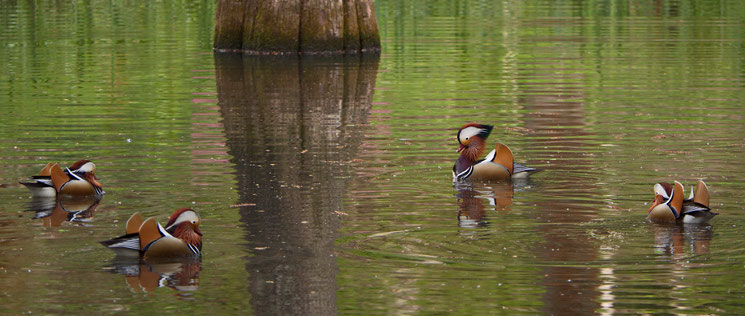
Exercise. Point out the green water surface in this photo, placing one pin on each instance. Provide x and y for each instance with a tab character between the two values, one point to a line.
324	183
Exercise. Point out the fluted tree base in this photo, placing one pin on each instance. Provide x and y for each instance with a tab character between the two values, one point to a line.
273	27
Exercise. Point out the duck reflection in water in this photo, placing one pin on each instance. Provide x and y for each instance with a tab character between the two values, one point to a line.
475	199
677	240
141	276
55	211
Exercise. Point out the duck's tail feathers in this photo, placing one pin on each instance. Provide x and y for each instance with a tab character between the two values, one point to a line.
128	241
38	182
523	169
693	207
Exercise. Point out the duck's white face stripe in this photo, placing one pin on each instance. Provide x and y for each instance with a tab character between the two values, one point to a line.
187	216
87	167
658	189
469	132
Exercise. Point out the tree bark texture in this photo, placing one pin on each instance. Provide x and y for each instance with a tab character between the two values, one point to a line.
274	27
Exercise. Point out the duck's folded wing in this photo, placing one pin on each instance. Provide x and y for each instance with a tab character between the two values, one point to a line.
38	184
131	241
693	207
125	245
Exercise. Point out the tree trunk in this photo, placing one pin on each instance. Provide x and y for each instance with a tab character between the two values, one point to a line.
275	27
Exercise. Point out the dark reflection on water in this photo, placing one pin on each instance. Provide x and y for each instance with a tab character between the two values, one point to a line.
476	200
608	97
181	275
292	128
678	241
556	121
53	212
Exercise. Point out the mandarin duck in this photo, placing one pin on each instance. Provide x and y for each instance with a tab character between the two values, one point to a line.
671	206
77	180
149	240
498	164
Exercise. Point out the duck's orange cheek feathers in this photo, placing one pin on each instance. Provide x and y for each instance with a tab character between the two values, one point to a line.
96	183
660	212
654	204
658	199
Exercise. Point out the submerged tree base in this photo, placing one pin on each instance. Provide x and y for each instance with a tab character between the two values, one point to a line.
305	27
306	53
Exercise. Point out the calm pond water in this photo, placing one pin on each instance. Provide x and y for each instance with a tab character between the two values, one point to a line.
324	183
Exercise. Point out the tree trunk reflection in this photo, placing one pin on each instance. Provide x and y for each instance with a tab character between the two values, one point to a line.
291	126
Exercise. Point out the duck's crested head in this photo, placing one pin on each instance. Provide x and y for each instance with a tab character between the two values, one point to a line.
184	224
87	170
468	132
83	166
472	139
662	194
183	215
668	202
663	188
